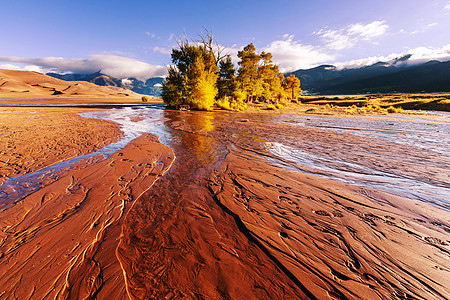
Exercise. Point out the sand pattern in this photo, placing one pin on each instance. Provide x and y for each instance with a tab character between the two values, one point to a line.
32	139
217	214
60	241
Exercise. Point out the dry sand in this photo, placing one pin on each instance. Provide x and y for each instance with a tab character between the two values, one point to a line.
238	227
33	84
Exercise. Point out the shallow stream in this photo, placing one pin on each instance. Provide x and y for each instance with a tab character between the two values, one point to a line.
186	134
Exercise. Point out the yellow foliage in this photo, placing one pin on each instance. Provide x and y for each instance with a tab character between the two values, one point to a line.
203	88
223	103
393	110
238	105
233	105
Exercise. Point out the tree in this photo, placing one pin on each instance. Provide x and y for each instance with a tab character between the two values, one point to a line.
226	83
196	79
173	88
192	80
201	85
248	72
258	76
292	86
268	75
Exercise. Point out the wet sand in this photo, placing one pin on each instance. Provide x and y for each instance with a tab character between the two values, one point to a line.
34	138
215	214
60	242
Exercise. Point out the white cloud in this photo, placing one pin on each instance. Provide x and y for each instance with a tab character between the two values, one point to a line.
423	54
369	31
126	81
359	63
152	35
162	50
113	65
336	40
22	67
353	34
290	55
411	57
10	67
447	6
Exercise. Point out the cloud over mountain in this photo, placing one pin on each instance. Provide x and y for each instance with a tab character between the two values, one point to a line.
291	55
113	65
353	34
411	57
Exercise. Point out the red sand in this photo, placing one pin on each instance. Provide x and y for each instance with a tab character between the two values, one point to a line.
245	229
60	241
33	84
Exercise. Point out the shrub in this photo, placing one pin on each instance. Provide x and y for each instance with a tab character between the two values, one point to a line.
238	105
377	107
393	110
271	107
350	110
145	98
279	106
223	103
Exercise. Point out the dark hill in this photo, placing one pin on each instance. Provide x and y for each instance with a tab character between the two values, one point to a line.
433	76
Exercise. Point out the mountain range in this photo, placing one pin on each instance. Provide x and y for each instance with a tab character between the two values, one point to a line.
149	87
382	77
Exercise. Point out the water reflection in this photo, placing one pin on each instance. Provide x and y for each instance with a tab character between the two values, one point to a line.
190	140
192	136
419	131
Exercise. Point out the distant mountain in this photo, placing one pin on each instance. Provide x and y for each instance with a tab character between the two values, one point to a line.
381	77
149	87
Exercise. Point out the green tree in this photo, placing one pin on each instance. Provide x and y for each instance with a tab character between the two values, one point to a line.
292	86
258	76
173	88
226	83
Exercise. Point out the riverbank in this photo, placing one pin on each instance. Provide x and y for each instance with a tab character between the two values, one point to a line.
60	241
35	138
221	210
422	101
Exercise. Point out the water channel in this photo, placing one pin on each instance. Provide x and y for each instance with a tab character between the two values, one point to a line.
197	150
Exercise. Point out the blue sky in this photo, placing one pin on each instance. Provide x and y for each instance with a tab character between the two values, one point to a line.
134	38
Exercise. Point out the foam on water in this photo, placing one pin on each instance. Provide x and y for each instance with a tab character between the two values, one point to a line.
328	167
16	188
430	134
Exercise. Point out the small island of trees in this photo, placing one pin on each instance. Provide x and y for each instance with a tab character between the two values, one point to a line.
201	77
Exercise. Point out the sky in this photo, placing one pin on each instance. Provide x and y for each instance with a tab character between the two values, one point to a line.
134	38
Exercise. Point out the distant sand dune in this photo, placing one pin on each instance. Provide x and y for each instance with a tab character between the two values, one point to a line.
33	84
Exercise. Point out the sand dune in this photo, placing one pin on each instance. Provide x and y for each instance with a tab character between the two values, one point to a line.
33	84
